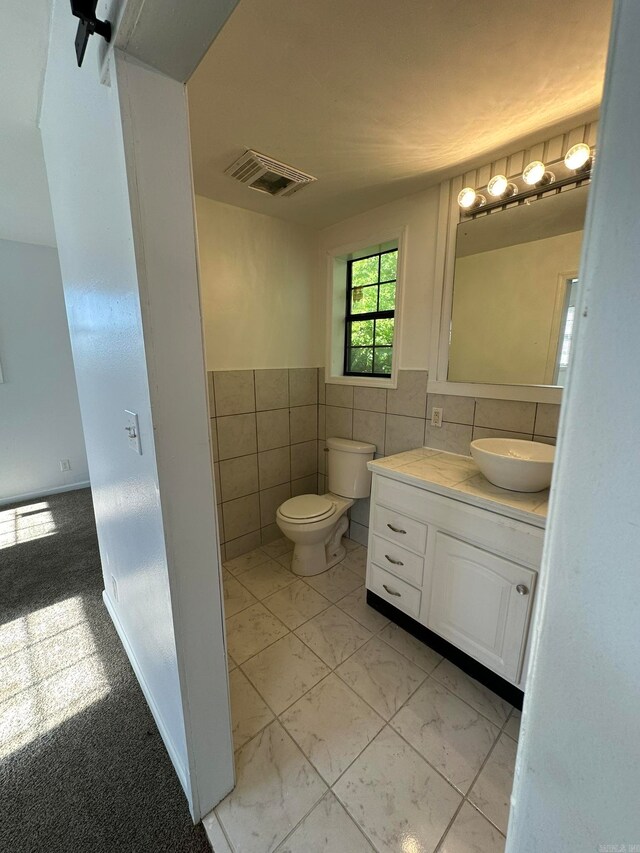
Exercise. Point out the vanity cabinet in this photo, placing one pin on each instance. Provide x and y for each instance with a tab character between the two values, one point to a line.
481	603
466	573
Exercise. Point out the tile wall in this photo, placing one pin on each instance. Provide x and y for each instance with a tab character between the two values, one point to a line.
264	429
400	420
268	431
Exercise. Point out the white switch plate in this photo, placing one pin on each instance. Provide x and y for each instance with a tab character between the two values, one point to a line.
132	431
65	465
436	417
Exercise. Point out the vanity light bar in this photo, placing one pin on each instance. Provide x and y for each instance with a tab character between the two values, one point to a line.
576	165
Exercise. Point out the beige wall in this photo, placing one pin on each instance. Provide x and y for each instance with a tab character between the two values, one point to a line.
419	214
257	280
503	311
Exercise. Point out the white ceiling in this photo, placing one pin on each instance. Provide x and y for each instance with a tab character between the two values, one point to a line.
25	210
379	98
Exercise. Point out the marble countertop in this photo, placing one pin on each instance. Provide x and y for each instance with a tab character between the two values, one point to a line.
459	477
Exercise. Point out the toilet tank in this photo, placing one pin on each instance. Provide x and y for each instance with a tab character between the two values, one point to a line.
347	467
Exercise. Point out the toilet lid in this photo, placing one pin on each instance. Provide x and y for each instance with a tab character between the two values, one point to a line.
307	508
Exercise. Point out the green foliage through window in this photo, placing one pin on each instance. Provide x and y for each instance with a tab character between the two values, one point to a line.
371	300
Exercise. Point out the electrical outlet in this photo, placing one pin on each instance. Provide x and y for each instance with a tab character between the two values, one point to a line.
436	417
65	465
114	588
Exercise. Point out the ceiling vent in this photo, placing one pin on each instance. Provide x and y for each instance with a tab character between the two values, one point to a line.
268	175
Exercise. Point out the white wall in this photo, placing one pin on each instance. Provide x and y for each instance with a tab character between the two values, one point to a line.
118	166
419	213
25	210
39	412
576	786
257	279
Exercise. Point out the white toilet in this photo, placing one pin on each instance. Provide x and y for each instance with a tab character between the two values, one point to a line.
316	523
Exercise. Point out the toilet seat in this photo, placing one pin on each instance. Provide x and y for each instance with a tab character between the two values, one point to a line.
307	508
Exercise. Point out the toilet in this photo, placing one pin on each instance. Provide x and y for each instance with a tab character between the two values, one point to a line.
316	523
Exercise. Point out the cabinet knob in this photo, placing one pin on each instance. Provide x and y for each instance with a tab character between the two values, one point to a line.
395	562
521	589
391	591
395	529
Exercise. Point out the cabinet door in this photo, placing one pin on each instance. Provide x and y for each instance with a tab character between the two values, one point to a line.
481	603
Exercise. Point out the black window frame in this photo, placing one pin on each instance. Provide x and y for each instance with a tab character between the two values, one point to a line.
370	315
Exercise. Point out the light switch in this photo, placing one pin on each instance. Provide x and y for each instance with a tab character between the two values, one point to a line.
132	431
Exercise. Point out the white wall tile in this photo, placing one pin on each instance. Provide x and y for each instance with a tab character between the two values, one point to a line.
511	415
369	426
303	386
274	467
370	399
339	395
270	500
457	410
234	392
236	435
273	429
403	433
547	417
454	438
339	422
272	389
303	423
239	476
304	459
410	397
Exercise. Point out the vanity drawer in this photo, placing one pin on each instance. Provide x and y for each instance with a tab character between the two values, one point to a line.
398	528
408	500
399	561
395	591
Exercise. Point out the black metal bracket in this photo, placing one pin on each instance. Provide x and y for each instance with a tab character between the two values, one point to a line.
89	24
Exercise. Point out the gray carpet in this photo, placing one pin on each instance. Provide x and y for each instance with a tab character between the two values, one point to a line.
82	766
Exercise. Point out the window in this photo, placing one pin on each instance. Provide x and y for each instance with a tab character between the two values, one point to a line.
370	315
566	336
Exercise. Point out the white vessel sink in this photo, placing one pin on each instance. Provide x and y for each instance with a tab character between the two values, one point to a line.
511	463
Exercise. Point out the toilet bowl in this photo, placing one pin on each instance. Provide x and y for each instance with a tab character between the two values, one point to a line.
316	523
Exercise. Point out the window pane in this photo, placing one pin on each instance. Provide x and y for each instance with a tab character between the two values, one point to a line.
362	333
361	360
364	300
384	332
382	360
388	266
388	296
364	271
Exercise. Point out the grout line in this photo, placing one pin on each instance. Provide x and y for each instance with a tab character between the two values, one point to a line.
427	675
377	633
306	815
468	704
232	846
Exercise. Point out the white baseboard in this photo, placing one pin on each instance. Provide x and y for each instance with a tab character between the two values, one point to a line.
164	734
43	493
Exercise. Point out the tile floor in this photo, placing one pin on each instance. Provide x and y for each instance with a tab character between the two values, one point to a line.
350	735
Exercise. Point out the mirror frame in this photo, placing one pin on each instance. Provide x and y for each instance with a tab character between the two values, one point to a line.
448	221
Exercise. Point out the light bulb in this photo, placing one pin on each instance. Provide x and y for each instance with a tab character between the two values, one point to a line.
467	198
534	173
500	187
497	185
577	157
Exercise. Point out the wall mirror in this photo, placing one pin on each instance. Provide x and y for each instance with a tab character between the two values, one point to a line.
515	284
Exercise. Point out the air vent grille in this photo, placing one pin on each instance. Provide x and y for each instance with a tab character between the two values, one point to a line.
266	175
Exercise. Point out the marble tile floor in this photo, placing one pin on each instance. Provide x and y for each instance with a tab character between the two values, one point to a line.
350	735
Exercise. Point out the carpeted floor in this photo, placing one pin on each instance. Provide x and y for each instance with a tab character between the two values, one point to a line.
82	766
